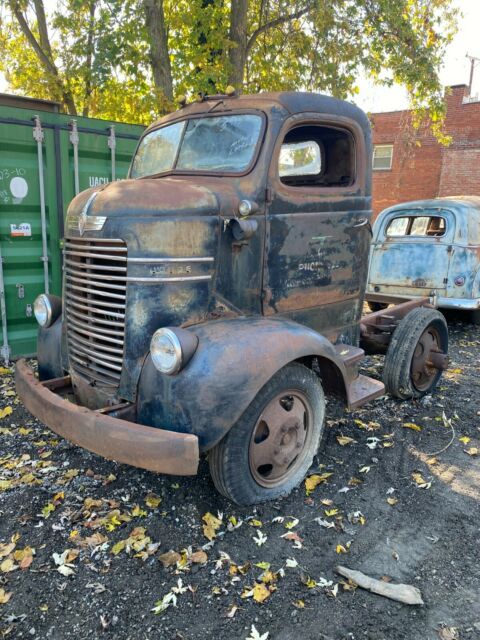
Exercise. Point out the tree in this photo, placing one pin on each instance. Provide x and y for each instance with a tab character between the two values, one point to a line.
110	57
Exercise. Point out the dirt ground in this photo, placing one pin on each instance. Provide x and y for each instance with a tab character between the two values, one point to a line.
81	537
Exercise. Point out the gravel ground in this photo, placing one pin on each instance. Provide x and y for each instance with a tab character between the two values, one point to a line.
84	541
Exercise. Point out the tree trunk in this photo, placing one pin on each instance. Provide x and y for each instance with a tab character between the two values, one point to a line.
43	50
238	35
159	54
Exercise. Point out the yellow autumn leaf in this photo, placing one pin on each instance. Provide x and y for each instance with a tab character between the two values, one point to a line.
7	566
392	501
260	592
118	547
472	451
299	604
464	439
331	512
48	509
138	512
23	431
152	500
255	523
310	583
419	479
412	426
212	524
344	440
314	480
5	412
268	577
4	372
5	596
340	549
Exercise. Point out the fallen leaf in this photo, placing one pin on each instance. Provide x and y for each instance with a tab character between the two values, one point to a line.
392	501
169	600
255	523
260	592
340	549
464	439
299	604
331	512
169	558
8	565
212	524
314	480
198	557
412	426
260	538
5	412
152	500
255	635
344	440
5	596
263	565
472	451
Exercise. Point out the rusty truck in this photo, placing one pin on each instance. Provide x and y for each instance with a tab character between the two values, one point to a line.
211	299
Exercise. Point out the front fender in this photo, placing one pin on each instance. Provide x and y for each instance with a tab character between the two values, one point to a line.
234	360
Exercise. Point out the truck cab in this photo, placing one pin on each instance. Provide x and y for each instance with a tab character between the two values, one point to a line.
212	297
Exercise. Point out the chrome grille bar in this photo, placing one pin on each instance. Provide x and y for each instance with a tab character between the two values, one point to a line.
95	303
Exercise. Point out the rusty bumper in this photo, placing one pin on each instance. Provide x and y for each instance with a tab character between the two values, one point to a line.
135	444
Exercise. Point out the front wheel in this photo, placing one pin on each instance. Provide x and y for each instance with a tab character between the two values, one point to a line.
270	449
417	354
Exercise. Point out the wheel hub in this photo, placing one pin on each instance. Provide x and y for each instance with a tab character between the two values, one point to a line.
427	359
279	437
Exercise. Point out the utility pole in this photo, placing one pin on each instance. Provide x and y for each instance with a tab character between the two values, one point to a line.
473	63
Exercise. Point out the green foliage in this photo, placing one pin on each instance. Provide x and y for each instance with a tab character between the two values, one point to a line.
101	48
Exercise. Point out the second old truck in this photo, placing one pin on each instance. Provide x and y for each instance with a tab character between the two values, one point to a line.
214	296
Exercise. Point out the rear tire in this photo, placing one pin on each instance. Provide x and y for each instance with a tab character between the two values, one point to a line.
269	450
408	370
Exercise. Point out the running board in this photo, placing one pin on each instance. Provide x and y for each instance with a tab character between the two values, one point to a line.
362	389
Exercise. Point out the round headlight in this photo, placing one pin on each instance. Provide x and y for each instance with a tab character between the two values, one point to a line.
166	351
42	309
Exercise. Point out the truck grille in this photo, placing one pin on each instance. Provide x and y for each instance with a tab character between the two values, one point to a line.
95	295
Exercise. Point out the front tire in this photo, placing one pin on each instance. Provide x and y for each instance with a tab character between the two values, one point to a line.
269	450
416	354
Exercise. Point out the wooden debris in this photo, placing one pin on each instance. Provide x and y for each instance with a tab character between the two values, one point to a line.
401	592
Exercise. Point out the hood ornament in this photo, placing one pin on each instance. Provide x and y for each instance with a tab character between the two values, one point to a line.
83	218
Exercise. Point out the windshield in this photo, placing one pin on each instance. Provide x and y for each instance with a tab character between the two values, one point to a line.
213	144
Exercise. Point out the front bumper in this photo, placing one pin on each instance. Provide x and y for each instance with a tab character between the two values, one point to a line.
113	438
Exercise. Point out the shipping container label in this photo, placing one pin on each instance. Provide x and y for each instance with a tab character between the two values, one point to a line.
22	230
13	186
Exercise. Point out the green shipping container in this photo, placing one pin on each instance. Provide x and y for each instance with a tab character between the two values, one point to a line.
75	153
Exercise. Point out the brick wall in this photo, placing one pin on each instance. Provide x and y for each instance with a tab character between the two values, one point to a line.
421	167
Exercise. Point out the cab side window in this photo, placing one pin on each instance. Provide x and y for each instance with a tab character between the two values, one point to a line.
417	226
317	156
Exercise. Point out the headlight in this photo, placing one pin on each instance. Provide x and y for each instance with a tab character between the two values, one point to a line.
171	349
47	309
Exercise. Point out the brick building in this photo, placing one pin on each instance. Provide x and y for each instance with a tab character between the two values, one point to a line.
405	170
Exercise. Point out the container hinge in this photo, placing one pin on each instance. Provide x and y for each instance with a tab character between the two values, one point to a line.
38	134
112	143
5	353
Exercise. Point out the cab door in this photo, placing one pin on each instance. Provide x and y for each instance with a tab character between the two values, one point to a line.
317	224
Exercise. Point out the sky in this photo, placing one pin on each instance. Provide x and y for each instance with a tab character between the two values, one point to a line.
456	68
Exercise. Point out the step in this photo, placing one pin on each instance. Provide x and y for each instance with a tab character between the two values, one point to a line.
348	354
363	389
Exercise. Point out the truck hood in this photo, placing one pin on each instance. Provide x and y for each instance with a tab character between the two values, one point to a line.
146	197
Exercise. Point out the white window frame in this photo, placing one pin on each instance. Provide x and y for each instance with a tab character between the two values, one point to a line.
382	146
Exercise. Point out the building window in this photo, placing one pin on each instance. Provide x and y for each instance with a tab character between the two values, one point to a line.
382	156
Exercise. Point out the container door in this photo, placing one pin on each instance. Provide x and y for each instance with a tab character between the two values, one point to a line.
318	231
95	153
21	229
412	252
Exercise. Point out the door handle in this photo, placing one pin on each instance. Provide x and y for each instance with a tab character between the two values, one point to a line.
364	222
